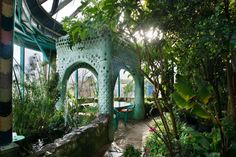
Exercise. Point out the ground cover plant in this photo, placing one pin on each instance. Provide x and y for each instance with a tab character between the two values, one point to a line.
130	151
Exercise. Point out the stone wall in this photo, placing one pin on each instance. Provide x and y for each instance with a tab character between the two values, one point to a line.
88	141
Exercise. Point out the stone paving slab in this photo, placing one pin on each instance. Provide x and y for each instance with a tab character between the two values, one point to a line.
135	134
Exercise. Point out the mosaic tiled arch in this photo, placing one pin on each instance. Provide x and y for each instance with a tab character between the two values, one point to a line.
67	73
107	58
124	58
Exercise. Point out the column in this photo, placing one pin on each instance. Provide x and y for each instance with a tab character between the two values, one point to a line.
22	71
76	84
118	81
105	90
6	56
139	111
105	93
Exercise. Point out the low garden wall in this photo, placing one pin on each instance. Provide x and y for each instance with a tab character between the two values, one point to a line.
88	141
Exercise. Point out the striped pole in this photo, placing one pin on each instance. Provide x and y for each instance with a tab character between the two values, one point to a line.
6	56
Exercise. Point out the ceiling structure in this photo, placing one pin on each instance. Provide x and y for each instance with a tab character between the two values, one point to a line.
37	22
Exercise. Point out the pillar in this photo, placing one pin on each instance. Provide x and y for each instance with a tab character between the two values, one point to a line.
6	56
22	71
76	84
105	92
139	111
118	81
105	95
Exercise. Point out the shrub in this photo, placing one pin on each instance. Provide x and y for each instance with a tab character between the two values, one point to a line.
130	151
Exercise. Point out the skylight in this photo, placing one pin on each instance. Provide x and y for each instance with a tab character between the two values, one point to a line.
65	11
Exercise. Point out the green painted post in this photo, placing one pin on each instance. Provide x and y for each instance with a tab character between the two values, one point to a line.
22	72
119	85
6	60
45	57
139	111
76	84
19	6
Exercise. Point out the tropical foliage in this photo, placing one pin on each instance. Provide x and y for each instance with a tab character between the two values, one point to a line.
130	151
194	40
36	115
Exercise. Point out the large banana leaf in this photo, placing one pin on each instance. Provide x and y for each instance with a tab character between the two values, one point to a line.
184	88
203	92
181	102
200	112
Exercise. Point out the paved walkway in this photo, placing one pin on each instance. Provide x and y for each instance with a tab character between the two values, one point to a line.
134	134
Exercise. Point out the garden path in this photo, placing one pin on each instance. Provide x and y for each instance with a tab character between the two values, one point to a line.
135	134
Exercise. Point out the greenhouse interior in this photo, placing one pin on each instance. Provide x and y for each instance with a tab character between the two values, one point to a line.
118	78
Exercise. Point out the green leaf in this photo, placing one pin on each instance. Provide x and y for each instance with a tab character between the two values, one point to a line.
203	92
83	34
214	154
184	88
204	143
181	102
92	10
200	112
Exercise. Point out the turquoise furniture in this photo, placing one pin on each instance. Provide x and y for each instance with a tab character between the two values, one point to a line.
122	112
126	111
116	118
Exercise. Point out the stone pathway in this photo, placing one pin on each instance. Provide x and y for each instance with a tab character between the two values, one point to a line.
135	134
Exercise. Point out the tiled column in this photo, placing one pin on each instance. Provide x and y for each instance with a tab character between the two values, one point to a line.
139	111
6	54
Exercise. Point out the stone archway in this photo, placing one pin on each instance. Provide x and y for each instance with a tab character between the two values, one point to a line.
106	58
139	88
67	73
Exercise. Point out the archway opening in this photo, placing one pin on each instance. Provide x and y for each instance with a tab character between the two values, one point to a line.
124	86
81	98
124	98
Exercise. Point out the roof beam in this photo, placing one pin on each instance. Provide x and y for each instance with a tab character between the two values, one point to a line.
84	4
41	1
61	5
54	6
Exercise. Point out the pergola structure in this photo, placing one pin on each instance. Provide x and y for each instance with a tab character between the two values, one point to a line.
105	58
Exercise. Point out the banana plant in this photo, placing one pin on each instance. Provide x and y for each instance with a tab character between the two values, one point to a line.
194	97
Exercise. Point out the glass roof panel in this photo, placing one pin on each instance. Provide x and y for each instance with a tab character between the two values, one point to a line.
67	10
47	5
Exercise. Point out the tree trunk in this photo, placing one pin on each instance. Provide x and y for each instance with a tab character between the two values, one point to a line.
231	78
